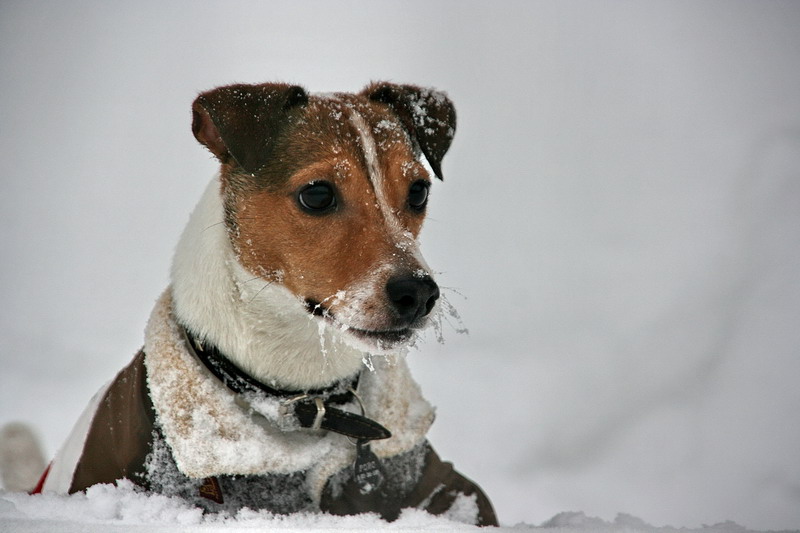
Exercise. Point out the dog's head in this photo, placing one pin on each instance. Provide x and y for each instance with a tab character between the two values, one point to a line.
326	195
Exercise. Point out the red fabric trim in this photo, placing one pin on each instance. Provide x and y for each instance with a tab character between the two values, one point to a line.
38	488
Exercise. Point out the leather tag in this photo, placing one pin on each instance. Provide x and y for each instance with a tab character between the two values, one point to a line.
211	490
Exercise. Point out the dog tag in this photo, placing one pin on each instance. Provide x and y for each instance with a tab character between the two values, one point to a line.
369	474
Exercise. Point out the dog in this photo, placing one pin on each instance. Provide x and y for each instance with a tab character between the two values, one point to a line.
272	374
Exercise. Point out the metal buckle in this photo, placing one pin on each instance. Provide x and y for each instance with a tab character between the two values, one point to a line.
320	405
320	413
284	409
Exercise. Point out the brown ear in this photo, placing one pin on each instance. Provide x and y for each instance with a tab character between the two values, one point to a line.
427	114
241	122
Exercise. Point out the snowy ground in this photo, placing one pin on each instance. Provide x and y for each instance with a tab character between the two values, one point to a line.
621	210
105	508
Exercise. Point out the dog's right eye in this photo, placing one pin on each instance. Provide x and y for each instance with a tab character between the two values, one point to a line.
316	198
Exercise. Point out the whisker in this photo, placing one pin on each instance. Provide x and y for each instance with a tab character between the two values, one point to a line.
446	313
223	222
260	290
454	291
213	225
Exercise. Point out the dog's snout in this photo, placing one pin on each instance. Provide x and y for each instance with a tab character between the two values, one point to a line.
412	297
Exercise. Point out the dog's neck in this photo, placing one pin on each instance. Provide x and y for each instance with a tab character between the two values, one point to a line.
261	327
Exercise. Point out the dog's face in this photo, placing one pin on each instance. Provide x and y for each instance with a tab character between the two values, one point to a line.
326	196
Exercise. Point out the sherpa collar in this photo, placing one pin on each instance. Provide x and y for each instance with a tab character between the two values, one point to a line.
213	431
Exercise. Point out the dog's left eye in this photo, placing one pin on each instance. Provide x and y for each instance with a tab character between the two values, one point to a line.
418	195
317	197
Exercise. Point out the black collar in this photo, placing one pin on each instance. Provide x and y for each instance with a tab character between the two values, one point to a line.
311	408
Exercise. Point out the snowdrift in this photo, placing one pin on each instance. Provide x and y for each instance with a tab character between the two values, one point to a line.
105	508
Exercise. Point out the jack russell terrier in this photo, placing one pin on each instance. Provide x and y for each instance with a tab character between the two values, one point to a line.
272	374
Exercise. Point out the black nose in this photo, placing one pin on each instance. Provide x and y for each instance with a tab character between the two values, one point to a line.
412	297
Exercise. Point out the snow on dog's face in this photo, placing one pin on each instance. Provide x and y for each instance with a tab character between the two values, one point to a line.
326	195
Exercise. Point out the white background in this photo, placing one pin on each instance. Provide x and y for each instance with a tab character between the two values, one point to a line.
621	209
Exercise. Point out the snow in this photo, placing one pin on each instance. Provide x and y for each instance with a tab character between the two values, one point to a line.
621	210
105	508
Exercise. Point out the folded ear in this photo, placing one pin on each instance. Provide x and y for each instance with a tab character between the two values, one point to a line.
241	122
427	114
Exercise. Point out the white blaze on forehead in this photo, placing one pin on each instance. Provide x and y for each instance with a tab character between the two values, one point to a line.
404	239
374	170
